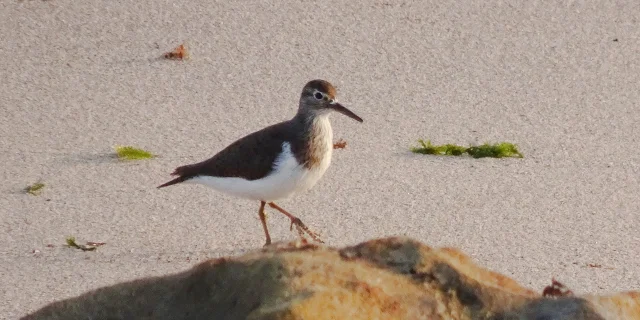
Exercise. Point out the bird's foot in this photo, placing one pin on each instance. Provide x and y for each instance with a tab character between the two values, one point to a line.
303	229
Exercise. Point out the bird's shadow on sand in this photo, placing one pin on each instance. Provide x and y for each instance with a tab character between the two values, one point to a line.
409	155
74	159
101	158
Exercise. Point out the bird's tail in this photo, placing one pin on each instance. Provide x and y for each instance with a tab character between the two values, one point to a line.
172	182
177	172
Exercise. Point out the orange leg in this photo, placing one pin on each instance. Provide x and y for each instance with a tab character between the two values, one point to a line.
263	219
301	227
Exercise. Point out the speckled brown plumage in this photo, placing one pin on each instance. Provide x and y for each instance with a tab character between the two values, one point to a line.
314	144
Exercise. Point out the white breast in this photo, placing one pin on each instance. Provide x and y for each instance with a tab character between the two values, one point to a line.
322	138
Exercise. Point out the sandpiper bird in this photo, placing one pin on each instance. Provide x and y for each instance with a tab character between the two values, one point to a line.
278	161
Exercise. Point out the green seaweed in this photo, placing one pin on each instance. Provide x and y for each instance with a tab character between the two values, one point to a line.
71	242
131	153
90	246
498	150
34	189
446	149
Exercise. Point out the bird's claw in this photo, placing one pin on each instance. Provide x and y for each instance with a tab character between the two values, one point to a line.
302	229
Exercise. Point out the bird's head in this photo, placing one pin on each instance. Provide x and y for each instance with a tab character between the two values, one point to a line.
319	98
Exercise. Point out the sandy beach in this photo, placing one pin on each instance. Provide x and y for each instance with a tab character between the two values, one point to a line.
559	79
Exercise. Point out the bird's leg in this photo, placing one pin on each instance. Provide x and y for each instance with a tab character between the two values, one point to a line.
301	227
263	219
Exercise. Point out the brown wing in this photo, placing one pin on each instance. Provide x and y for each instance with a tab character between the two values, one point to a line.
250	157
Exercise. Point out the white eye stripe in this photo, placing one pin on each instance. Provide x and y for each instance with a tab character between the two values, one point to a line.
323	96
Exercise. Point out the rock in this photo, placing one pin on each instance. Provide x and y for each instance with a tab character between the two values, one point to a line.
392	278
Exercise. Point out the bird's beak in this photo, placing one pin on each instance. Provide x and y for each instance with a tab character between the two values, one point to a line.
340	108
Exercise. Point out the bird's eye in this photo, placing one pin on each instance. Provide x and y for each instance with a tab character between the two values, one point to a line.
318	95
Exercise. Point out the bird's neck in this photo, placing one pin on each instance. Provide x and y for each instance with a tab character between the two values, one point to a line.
314	125
317	138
